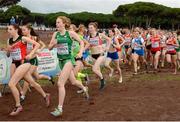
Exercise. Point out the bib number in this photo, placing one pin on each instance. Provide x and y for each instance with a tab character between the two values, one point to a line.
62	49
29	46
170	48
94	42
155	44
15	54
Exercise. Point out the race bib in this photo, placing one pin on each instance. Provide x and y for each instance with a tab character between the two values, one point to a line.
94	42
155	44
29	46
136	46
15	54
128	40
170	48
62	49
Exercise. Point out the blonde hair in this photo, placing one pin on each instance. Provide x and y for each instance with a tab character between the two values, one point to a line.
65	20
74	27
81	28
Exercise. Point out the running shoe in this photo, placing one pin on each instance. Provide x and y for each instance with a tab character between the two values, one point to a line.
120	79
47	99
135	73
102	84
111	74
86	93
16	111
51	80
80	91
57	112
87	80
22	98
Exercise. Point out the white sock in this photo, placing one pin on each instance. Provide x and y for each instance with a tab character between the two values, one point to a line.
60	107
22	96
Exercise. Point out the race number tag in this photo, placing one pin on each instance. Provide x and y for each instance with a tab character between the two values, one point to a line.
62	49
170	48
94	41
127	40
155	44
29	46
15	54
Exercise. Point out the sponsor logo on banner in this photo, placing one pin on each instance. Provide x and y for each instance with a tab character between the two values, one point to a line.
48	62
5	64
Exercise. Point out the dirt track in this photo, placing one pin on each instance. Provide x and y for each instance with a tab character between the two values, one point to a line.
132	100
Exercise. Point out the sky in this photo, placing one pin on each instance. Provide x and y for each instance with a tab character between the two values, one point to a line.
95	6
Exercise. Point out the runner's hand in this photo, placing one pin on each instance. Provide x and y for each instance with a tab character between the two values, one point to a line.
28	57
79	55
9	48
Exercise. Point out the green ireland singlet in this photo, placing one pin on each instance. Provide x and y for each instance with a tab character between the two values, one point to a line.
64	44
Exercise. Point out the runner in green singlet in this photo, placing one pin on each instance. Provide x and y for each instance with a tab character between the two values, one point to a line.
62	40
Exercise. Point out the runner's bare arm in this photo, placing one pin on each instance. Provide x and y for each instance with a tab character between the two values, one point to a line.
42	45
116	45
108	40
87	45
36	47
177	44
53	41
75	36
123	41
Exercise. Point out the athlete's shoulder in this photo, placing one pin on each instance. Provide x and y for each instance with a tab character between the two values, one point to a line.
71	32
55	33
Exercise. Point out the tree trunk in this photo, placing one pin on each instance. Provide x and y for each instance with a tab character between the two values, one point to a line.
149	23
147	19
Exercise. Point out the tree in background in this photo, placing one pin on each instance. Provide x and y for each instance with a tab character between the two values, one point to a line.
143	14
8	3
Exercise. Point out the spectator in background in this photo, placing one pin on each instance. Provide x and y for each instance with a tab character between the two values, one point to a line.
17	20
12	20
